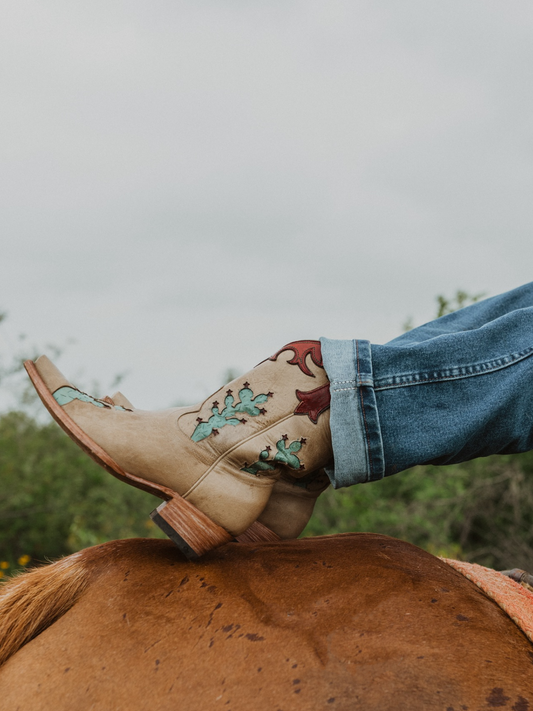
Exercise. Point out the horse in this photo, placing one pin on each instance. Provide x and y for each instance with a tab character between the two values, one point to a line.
342	622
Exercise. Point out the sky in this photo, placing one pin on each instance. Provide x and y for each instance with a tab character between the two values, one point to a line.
186	186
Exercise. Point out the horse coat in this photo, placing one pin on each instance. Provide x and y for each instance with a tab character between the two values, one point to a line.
352	621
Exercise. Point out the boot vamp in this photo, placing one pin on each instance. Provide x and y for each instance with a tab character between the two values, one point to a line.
147	444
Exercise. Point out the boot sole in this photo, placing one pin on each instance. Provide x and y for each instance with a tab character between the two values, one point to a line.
190	529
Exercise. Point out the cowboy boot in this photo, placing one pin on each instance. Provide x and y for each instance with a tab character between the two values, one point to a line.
291	502
214	464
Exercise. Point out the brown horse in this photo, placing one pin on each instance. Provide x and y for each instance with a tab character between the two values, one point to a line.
354	621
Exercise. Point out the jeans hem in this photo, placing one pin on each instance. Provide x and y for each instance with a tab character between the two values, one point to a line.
354	421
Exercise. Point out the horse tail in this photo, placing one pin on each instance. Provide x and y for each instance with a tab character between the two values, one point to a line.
32	601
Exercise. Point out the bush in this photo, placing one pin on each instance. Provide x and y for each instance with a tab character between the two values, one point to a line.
55	500
480	511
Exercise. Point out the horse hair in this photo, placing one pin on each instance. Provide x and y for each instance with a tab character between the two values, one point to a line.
32	601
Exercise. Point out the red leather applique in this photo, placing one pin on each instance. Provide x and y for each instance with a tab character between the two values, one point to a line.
313	402
301	350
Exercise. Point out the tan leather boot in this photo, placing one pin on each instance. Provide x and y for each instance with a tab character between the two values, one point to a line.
215	464
292	502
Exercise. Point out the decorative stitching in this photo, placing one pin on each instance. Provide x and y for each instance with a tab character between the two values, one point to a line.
368	449
457	373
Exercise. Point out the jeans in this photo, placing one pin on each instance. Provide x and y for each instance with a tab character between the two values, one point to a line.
451	390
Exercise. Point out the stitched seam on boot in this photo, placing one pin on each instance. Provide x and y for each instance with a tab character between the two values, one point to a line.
229	451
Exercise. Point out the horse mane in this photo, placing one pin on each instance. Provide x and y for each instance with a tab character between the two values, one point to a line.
32	601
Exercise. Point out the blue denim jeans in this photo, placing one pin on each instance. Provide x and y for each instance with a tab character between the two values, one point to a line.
454	389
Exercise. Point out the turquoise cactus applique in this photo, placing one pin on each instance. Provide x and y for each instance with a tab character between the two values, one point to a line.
247	405
286	455
67	394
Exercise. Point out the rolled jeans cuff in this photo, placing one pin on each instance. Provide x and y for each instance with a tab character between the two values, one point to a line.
355	429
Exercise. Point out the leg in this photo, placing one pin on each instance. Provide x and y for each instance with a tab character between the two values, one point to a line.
452	390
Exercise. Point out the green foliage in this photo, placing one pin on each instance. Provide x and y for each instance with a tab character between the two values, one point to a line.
447	306
480	511
54	500
461	299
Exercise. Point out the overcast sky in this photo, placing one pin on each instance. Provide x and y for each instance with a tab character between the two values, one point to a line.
186	186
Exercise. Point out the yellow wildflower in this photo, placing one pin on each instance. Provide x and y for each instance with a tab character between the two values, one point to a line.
4	565
24	559
1	575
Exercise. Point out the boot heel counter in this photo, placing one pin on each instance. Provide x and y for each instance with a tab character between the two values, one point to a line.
232	499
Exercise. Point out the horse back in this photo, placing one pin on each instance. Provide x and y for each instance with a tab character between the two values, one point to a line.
340	622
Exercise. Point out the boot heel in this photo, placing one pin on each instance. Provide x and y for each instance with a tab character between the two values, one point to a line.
190	529
257	533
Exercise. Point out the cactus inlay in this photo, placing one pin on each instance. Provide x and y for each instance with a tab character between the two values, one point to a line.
247	405
67	394
286	455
